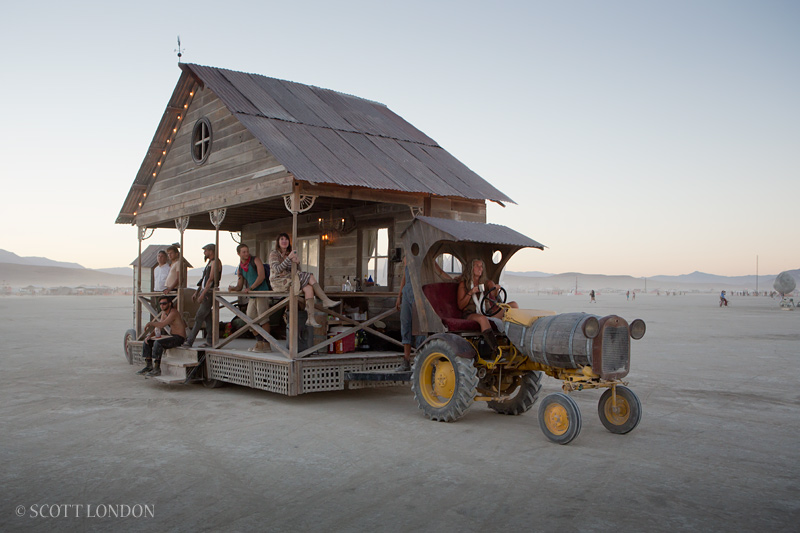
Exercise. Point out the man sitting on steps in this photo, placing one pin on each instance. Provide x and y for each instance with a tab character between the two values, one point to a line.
154	347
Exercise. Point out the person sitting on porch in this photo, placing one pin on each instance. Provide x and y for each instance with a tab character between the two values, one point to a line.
472	286
173	278
205	295
156	342
280	266
253	277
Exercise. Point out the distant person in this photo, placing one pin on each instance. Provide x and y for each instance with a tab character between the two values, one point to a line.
591	297
633	295
205	295
253	276
156	342
280	272
628	295
160	271
722	299
173	278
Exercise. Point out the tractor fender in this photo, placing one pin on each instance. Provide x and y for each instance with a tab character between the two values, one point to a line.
462	346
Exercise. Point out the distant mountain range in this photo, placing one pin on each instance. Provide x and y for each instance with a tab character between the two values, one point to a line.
22	271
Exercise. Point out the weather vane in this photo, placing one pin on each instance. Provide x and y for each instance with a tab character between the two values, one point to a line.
179	49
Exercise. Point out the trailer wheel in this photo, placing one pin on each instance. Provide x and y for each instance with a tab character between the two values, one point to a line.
627	414
525	395
444	384
560	418
130	335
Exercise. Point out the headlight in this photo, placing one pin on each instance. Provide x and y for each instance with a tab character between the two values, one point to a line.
591	327
637	329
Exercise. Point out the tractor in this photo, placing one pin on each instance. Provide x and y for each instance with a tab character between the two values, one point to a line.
454	367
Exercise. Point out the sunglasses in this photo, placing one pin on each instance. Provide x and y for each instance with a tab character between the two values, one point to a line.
163	303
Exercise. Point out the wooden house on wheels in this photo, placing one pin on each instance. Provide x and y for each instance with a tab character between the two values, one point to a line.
344	176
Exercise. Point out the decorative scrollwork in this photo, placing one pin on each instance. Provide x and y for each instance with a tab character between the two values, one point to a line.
217	216
143	235
181	223
236	236
415	211
306	202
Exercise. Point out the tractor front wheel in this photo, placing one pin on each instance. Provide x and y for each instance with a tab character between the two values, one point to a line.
560	418
523	392
444	384
623	417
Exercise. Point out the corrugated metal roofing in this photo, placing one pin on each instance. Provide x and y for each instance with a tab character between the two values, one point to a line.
149	256
479	232
323	136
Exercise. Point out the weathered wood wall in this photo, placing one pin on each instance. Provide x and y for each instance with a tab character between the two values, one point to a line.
228	177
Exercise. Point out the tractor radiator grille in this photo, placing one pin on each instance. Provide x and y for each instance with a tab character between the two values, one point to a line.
616	352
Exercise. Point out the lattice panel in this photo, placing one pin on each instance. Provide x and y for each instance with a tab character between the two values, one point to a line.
322	378
230	370
136	351
271	377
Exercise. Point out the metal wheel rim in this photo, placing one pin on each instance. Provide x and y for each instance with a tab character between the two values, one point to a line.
556	419
437	380
619	415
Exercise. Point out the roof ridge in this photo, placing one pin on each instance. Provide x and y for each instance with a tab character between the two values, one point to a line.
289	81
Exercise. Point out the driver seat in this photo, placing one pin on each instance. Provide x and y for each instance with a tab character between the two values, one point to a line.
443	297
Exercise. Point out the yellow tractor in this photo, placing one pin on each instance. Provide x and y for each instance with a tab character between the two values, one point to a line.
455	366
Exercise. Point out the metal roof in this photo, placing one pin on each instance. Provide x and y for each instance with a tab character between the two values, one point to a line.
149	254
478	232
323	136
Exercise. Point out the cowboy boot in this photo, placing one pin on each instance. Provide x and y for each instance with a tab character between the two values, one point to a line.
323	298
156	370
491	340
147	368
310	312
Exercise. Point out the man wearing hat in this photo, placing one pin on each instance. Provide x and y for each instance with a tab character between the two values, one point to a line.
205	295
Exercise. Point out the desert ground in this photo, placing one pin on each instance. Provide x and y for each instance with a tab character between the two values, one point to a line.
717	448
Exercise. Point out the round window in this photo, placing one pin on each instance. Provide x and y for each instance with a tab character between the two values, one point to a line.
201	140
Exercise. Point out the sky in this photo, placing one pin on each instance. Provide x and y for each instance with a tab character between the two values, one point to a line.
636	137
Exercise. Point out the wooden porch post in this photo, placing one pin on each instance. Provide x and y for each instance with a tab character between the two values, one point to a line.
140	233
181	223
293	290
217	216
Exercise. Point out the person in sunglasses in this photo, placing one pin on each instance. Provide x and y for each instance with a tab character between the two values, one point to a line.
159	340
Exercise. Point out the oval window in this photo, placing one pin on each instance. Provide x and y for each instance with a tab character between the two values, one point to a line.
201	140
497	256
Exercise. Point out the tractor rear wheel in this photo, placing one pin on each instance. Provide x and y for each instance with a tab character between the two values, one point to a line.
524	390
130	335
444	384
560	418
625	416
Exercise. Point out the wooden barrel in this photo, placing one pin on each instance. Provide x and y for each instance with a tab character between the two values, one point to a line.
556	341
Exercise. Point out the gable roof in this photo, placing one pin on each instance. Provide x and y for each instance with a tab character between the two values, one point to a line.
463	231
325	137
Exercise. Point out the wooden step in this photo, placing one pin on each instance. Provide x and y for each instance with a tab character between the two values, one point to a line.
170	379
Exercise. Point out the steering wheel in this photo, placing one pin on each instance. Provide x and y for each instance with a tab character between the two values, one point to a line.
490	300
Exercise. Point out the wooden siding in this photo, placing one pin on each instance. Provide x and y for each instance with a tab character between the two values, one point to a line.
239	170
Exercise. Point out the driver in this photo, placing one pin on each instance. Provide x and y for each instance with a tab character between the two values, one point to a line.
472	286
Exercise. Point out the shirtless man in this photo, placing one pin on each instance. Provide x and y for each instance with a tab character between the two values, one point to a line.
169	317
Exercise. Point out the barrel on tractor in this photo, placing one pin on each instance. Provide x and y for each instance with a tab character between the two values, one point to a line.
454	367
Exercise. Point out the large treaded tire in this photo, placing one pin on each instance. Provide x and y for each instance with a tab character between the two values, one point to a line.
444	384
130	335
527	393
